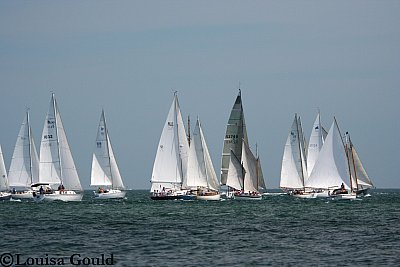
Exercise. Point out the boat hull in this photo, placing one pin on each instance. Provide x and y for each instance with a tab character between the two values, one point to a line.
210	197
111	194
247	197
57	195
5	196
305	195
344	196
165	197
23	195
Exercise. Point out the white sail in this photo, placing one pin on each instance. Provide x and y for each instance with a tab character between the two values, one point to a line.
56	163
212	179
24	167
331	168
3	173
261	180
292	171
105	170
303	150
196	167
315	144
250	166
234	136
200	171
170	165
235	172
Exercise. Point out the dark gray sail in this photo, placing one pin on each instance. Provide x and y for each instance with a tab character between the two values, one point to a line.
234	136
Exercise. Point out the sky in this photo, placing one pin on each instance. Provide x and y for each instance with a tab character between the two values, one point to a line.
341	57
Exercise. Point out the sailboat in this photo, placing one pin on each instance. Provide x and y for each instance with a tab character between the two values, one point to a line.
105	172
56	167
24	168
170	164
235	135
245	174
294	168
201	176
4	188
332	169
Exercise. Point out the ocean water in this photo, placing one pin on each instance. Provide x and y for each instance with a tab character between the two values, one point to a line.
278	231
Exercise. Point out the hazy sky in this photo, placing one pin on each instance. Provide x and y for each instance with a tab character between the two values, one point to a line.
128	56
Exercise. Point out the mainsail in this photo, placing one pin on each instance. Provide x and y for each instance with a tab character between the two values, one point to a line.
317	137
200	171
170	165
3	173
24	167
331	168
294	171
105	170
360	178
56	163
234	136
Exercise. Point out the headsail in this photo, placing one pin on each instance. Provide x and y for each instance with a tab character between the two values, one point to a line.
236	172
3	173
331	168
56	163
250	165
24	167
234	136
170	165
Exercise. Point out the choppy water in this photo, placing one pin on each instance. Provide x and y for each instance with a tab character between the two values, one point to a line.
278	231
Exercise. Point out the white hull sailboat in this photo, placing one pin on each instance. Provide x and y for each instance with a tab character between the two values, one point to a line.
170	164
201	177
105	172
24	168
333	167
4	188
56	167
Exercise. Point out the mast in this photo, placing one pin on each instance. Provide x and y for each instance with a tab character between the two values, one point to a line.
347	154
188	129
177	134
30	145
108	148
301	160
58	140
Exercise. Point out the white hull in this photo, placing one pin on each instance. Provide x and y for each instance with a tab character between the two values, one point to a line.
212	197
111	194
57	195
344	196
305	195
323	194
23	195
247	197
